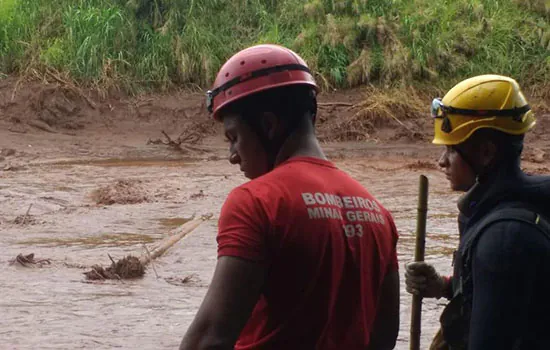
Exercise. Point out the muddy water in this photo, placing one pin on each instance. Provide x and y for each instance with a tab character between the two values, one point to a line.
53	307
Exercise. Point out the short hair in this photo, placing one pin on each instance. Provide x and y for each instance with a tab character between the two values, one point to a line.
293	104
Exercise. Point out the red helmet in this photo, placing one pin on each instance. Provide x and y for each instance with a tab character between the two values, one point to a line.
255	69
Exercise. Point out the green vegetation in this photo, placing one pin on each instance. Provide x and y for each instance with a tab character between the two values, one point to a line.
157	44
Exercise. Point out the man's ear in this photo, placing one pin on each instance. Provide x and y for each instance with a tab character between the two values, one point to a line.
487	153
271	125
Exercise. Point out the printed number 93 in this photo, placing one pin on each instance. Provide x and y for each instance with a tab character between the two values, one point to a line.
353	230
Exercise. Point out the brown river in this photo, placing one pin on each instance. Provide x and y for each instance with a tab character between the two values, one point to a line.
54	307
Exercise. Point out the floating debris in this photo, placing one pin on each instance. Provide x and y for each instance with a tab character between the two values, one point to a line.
29	261
198	195
133	267
128	267
25	219
121	192
192	280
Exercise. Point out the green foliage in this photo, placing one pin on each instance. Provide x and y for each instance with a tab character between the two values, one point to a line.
156	44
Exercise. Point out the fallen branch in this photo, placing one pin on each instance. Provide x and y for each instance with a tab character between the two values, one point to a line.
29	261
150	258
27	214
175	236
182	138
182	144
23	219
133	267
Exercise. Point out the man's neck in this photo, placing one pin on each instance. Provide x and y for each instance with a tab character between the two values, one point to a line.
504	172
300	144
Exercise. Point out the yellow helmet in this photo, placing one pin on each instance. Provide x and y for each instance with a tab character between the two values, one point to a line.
484	101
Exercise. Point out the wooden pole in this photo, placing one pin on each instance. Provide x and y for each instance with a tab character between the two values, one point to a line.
419	256
175	236
127	267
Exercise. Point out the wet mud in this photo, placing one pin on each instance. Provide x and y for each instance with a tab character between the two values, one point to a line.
98	188
154	312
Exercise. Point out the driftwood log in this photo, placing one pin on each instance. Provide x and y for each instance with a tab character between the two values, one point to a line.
134	267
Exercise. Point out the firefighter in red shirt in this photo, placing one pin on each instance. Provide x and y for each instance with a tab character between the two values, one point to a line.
306	255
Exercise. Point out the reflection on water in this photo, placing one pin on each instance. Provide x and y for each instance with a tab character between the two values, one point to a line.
51	307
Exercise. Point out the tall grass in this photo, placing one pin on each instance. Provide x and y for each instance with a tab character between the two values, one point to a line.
157	44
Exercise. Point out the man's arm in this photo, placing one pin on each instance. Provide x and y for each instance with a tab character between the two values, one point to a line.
239	275
386	323
235	289
504	274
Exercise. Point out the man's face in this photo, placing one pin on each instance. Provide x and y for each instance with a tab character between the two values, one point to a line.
245	147
460	175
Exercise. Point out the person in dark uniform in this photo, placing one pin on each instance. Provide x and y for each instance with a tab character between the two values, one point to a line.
500	289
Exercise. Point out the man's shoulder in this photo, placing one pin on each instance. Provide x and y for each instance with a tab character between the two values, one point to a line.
513	218
511	232
511	241
295	172
262	189
319	178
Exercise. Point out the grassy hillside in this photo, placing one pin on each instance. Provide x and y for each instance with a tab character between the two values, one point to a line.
156	44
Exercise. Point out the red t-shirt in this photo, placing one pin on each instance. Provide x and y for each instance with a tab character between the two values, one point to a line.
327	245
